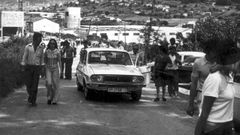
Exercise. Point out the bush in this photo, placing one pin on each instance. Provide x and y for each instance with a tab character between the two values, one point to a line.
10	69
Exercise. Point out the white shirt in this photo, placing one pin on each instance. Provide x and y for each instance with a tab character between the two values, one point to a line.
219	86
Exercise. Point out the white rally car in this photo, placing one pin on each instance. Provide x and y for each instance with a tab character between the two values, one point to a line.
108	70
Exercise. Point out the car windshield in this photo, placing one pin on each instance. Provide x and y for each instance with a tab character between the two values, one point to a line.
109	57
189	58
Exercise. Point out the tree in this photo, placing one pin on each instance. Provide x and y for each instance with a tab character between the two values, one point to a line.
223	2
209	31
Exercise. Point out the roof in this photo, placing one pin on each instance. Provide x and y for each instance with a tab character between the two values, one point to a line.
105	49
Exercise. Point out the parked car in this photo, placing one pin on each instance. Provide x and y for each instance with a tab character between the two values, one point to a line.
187	59
185	70
108	70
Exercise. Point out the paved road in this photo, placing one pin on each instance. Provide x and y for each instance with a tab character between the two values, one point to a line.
103	116
74	115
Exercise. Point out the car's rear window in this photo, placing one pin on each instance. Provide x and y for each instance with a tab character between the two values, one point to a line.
109	57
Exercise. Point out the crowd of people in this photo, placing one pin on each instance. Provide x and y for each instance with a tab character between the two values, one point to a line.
212	76
48	62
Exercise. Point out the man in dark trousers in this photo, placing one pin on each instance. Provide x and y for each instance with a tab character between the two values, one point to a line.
70	53
33	61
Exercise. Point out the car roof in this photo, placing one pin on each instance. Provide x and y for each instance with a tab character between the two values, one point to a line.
193	53
105	49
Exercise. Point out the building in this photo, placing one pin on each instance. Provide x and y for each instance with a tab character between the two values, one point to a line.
73	17
46	25
131	33
12	23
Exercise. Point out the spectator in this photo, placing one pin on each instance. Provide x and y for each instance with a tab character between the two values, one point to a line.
216	109
200	71
43	70
134	53
172	43
63	58
52	59
120	45
70	53
172	70
160	75
33	61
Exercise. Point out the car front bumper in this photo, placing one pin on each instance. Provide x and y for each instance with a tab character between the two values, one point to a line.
115	88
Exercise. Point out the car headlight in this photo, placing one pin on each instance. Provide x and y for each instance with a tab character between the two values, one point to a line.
97	78
137	79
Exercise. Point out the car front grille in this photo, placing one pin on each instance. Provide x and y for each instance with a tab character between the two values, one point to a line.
117	78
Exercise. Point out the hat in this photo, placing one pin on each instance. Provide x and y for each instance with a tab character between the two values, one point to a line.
228	56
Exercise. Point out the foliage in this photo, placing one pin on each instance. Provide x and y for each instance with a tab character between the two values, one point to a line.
10	70
211	30
223	2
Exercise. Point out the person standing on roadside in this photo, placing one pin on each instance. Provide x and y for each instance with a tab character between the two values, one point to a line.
216	109
52	60
70	53
120	45
134	53
33	61
63	59
200	71
172	70
160	75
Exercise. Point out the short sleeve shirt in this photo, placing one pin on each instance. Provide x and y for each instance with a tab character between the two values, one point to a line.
220	87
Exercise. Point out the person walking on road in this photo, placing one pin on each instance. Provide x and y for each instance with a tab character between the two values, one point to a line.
52	59
33	62
216	109
160	75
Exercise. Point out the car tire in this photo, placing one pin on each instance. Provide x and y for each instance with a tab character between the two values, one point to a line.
79	86
86	92
136	95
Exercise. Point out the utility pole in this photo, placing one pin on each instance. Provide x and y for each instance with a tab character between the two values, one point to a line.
20	5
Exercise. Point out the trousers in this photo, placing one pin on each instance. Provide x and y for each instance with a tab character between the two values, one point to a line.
52	83
32	73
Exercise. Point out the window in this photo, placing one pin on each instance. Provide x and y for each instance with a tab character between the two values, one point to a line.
109	57
136	34
125	34
116	34
172	34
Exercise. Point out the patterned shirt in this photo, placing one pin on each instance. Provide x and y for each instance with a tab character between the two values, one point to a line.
32	57
52	57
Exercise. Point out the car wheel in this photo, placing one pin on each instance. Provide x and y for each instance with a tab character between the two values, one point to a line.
136	95
86	92
79	86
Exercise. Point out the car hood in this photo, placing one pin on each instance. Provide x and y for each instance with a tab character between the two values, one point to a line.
114	69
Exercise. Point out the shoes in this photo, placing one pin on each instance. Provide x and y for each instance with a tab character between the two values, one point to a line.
33	104
49	102
54	103
164	99
156	99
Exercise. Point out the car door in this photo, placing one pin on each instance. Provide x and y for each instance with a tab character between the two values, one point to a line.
81	66
140	63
